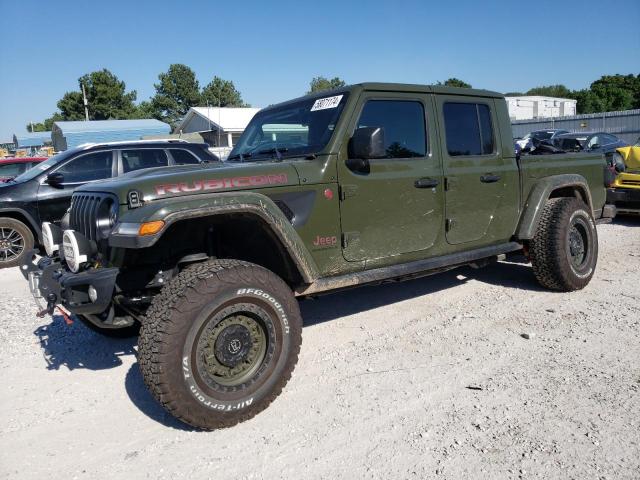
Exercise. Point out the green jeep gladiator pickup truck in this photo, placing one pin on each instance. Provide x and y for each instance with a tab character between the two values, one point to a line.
360	185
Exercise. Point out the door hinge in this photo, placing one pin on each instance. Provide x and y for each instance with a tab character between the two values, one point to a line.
446	184
347	191
349	238
448	224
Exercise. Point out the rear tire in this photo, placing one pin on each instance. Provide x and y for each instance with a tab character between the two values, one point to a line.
16	239
564	249
219	342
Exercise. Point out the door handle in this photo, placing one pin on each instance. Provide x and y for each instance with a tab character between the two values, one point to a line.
426	183
489	178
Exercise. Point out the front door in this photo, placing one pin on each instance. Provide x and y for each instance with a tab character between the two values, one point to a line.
397	206
53	201
477	172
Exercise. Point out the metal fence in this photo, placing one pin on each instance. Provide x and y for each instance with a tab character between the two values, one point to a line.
624	124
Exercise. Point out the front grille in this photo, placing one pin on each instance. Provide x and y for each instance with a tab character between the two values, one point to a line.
635	183
84	212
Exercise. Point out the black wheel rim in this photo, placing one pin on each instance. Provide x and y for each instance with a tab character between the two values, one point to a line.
578	244
11	244
232	345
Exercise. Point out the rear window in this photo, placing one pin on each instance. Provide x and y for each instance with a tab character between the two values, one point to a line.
468	128
183	157
143	158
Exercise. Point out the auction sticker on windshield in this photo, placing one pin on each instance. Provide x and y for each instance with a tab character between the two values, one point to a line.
328	102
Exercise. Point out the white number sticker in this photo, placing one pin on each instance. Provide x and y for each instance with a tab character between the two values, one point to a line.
324	103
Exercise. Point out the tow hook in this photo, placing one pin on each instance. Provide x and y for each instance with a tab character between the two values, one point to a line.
51	305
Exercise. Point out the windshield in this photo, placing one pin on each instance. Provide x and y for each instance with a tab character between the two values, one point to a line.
299	128
43	166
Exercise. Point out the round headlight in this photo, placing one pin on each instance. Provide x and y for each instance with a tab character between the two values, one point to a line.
72	254
51	238
106	217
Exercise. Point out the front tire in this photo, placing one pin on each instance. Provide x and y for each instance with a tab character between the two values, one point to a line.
564	249
16	239
219	342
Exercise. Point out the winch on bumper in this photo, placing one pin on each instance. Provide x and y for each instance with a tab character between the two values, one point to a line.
85	292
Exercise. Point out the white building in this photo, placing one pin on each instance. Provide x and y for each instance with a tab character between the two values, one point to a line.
220	127
528	107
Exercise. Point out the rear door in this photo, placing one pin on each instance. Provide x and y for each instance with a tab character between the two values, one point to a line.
477	173
397	206
53	201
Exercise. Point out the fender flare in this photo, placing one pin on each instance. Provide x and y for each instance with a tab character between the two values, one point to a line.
540	193
174	210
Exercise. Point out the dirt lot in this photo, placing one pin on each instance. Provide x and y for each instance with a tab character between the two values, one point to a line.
428	378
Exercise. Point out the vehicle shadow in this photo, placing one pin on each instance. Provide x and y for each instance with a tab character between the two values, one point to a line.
144	401
76	346
627	220
515	273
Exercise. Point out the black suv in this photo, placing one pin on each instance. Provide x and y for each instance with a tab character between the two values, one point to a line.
43	194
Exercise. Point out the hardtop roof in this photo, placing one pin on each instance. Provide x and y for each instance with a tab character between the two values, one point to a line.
394	87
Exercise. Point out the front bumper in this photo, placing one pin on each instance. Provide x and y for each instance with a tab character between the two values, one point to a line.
52	284
626	200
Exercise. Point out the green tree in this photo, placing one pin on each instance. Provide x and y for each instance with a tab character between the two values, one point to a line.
36	127
587	102
45	125
559	91
144	110
618	92
71	106
106	95
221	93
455	82
318	84
177	91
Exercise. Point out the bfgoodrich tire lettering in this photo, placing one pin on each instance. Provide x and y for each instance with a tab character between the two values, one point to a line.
220	342
564	250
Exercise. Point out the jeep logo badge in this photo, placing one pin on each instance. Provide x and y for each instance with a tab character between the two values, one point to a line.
234	346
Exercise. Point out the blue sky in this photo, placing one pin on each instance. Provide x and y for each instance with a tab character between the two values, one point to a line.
271	49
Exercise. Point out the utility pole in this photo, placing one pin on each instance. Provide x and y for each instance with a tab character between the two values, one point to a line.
86	103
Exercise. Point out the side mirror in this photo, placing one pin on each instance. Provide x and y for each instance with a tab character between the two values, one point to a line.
55	179
367	143
595	146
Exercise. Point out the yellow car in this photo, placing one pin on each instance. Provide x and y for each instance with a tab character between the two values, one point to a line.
624	192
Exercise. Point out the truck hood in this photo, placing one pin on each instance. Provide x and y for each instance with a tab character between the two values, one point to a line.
166	182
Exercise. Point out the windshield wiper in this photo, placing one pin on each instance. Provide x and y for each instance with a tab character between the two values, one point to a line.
241	156
276	150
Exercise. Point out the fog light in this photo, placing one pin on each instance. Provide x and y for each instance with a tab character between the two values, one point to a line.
51	238
77	249
93	294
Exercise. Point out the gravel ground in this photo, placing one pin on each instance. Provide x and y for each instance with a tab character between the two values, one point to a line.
422	379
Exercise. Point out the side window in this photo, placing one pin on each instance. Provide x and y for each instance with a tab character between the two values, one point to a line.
86	168
183	157
143	158
607	139
12	169
468	129
403	123
593	141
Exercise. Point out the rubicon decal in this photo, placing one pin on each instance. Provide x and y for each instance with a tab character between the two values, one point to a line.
221	184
